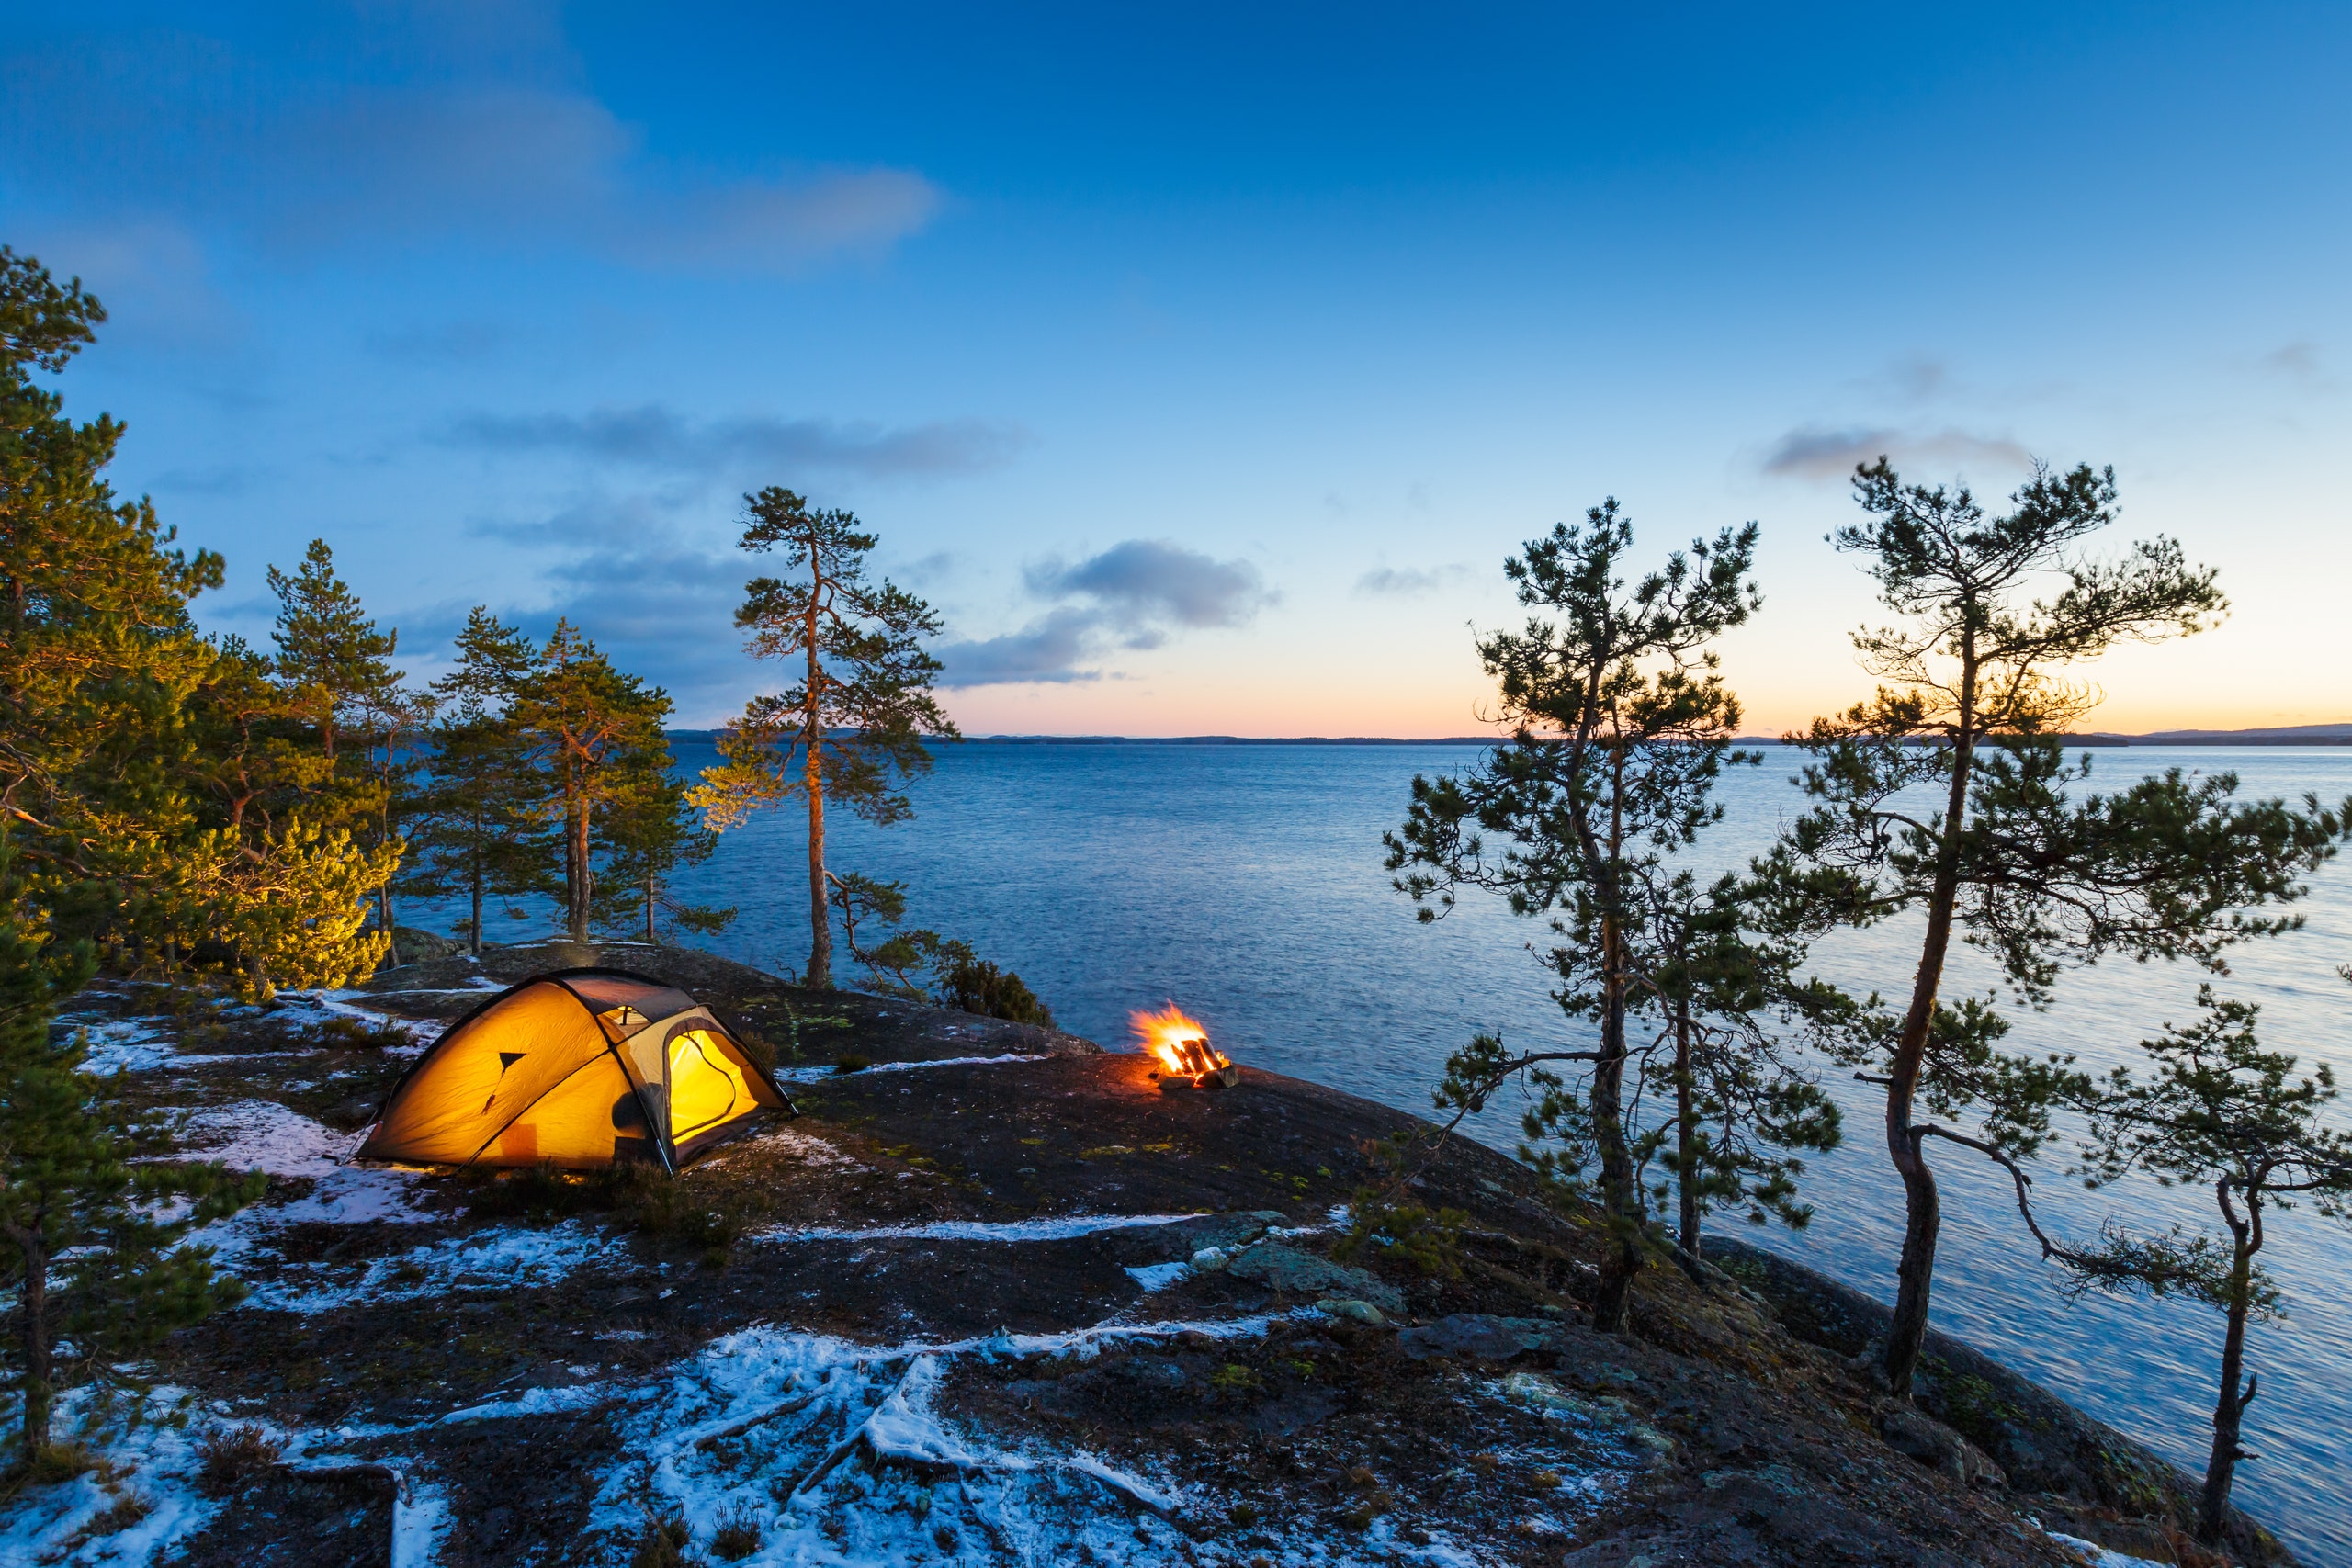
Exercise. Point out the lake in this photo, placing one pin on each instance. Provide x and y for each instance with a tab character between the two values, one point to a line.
1244	882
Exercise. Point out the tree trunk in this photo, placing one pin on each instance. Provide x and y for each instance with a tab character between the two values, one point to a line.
2229	1410
820	925
384	918
650	940
1922	1205
1617	1197
473	943
576	855
1686	1138
812	719
38	1361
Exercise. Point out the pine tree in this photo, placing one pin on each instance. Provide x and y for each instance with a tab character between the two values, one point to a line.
1620	728
96	651
648	832
1949	797
856	720
2217	1111
331	659
1741	1102
87	1257
585	720
481	827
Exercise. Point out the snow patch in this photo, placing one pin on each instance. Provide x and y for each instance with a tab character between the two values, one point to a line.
159	1463
818	1074
2099	1556
260	1134
497	1260
420	1519
1056	1229
792	1143
1158	1276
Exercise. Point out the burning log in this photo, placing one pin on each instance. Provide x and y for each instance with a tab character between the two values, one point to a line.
1181	1044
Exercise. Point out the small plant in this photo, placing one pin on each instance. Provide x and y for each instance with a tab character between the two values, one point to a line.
851	1061
232	1458
1233	1378
663	1545
738	1535
55	1462
125	1511
345	1034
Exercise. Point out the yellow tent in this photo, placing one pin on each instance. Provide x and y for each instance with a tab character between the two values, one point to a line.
580	1067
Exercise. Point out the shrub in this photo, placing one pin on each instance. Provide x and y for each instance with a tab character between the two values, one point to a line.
232	1458
738	1535
979	986
340	1033
663	1545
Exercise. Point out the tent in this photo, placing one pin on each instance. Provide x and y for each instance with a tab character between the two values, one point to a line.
580	1067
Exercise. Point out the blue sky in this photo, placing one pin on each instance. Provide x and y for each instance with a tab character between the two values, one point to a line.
1202	365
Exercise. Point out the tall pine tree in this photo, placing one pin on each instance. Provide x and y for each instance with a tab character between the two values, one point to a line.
585	721
853	725
482	826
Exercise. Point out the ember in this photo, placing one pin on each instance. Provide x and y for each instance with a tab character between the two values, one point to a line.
1181	1044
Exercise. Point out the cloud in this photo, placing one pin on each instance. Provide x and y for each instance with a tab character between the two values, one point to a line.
1048	650
658	601
1406	583
2294	361
652	436
1133	596
1155	579
450	343
318	135
1813	453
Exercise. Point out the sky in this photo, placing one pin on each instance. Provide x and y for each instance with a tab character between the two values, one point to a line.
1201	364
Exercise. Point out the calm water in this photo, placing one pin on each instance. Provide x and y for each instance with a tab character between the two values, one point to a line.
1245	882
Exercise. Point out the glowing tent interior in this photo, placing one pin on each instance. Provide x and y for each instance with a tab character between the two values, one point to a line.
578	1068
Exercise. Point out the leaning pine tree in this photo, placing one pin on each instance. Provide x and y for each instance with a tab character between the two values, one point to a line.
855	723
2216	1110
1620	728
1948	798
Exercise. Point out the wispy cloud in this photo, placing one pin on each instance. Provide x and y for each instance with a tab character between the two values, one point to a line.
1407	582
652	436
1049	650
1813	452
1155	579
1134	596
2297	361
478	128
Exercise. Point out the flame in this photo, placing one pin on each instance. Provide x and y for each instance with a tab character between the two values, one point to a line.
1182	1042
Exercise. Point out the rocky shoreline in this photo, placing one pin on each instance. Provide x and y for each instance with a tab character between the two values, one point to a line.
993	1297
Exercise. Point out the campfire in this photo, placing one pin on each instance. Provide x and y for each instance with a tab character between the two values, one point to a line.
1181	1044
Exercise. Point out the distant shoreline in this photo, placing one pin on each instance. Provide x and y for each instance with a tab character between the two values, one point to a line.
2309	735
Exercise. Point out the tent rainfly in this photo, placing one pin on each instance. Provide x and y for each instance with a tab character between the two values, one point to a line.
578	1068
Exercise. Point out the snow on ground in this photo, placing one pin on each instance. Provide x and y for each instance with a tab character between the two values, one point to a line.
794	1145
815	1075
500	1258
260	1134
1057	1229
2097	1556
353	1004
149	1445
1158	1276
836	1452
133	1046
